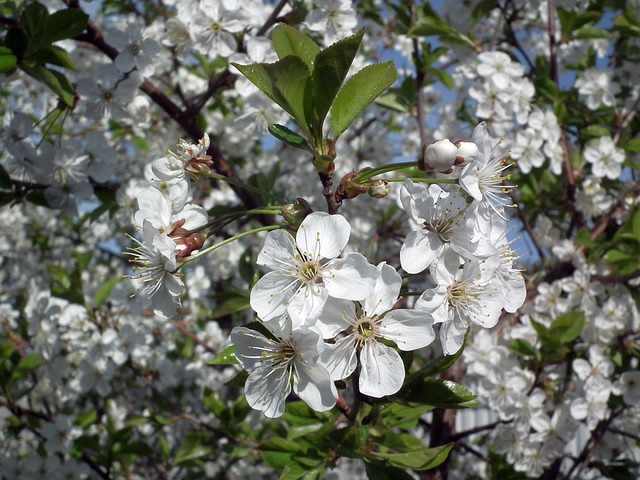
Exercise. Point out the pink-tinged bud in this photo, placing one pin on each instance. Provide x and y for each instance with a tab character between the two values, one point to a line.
186	246
439	156
467	151
379	189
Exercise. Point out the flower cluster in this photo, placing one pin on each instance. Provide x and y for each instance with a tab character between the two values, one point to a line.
330	312
168	226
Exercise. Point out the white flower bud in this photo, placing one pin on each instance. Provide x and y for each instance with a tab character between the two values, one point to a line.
467	151
440	155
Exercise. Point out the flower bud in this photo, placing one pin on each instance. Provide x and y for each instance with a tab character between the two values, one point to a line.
439	156
467	151
186	246
379	189
295	213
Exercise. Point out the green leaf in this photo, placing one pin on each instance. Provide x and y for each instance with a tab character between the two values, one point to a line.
192	448
482	8
403	416
55	80
331	67
105	289
33	20
65	24
522	347
293	471
359	92
278	452
235	304
86	419
285	82
632	145
5	179
227	357
596	131
441	394
289	41
8	60
588	32
55	55
384	471
444	77
424	459
428	26
26	365
567	327
288	136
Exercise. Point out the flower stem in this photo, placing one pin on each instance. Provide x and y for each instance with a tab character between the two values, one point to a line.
452	181
368	174
222	178
229	240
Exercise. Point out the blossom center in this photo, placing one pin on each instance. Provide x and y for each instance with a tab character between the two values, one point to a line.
365	329
309	271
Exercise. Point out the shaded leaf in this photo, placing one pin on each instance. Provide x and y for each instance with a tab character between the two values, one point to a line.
8	60
65	24
288	136
331	67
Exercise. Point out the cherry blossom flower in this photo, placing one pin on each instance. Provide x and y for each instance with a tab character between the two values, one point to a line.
483	178
382	372
156	265
273	363
443	219
335	19
606	159
305	272
107	93
214	25
462	295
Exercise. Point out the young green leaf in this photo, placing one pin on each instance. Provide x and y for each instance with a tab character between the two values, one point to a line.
227	357
288	136
8	60
331	68
285	82
289	41
359	92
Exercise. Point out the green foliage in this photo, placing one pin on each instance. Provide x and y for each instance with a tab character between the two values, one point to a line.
307	82
227	357
555	340
28	46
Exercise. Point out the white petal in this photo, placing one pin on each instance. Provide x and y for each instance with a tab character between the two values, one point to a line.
385	292
340	359
350	278
270	295
409	329
419	250
313	384
452	336
267	390
194	215
249	346
515	292
382	370
322	235
278	252
337	315
306	305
